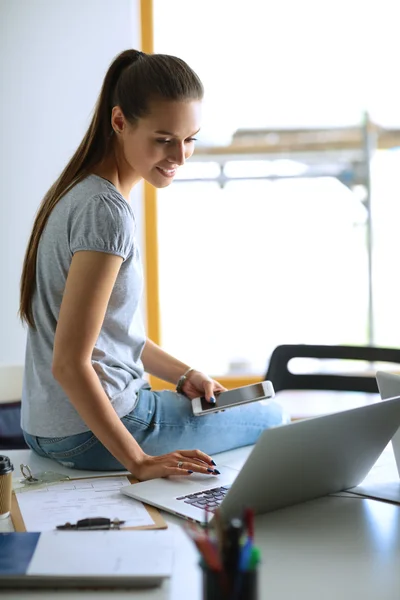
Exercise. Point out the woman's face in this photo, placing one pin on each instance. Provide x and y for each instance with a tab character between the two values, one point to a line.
158	144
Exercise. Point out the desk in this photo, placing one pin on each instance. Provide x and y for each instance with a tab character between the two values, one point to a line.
328	549
300	404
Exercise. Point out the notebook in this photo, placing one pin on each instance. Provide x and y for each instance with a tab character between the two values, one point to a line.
89	559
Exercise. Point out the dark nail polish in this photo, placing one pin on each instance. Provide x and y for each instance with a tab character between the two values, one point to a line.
190	472
216	472
213	463
210	470
212	400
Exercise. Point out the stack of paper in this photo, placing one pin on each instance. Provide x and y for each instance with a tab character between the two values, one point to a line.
44	509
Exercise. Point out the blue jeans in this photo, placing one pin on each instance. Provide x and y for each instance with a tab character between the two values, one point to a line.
163	422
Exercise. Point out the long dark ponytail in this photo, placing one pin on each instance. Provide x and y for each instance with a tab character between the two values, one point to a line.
132	81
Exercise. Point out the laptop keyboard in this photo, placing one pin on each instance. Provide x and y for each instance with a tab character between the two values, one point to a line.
207	500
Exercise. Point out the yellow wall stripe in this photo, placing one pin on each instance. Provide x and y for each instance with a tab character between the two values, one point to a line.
150	204
146	26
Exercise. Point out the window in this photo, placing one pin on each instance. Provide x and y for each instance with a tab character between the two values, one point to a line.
260	263
256	251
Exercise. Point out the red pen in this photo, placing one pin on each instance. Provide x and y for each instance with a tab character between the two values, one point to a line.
249	520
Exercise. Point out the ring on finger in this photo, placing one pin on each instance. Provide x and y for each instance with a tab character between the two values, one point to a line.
180	464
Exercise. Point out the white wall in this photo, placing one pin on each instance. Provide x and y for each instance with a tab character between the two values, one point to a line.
53	57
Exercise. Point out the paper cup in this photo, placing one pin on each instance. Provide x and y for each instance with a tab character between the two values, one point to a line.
6	469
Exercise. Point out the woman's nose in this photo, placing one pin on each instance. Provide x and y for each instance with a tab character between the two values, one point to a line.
177	156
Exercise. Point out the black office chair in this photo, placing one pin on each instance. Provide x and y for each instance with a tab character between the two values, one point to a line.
11	437
283	379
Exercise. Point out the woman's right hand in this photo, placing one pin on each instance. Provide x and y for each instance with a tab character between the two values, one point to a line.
166	465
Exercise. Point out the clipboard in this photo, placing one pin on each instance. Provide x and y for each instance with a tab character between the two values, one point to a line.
159	523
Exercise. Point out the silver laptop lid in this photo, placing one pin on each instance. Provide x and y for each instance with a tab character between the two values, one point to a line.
312	458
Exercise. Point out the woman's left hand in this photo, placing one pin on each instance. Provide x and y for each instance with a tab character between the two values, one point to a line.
199	384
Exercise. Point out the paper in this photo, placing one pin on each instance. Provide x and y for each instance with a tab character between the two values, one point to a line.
68	501
103	553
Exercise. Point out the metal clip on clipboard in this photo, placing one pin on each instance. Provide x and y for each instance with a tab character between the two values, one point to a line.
38	480
92	523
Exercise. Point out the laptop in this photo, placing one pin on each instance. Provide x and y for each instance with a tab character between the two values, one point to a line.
289	464
385	488
389	387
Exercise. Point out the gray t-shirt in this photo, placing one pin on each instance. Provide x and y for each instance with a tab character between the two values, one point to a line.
92	216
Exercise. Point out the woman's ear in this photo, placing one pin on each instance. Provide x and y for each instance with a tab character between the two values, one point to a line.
117	119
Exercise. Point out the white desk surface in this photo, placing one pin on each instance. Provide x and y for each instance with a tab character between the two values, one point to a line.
326	549
311	403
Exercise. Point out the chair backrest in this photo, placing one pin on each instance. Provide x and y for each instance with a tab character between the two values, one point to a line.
11	437
283	379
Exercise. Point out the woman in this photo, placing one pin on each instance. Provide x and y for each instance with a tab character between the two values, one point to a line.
85	402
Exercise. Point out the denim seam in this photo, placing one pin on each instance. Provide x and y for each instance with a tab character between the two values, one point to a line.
136	420
74	451
45	441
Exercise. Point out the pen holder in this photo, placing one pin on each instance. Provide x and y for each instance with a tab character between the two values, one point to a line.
218	585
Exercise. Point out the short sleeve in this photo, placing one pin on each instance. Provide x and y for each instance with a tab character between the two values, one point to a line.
103	223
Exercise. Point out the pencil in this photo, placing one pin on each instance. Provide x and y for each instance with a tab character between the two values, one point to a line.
206	548
206	523
219	531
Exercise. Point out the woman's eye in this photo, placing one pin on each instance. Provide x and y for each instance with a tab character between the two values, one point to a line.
188	140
